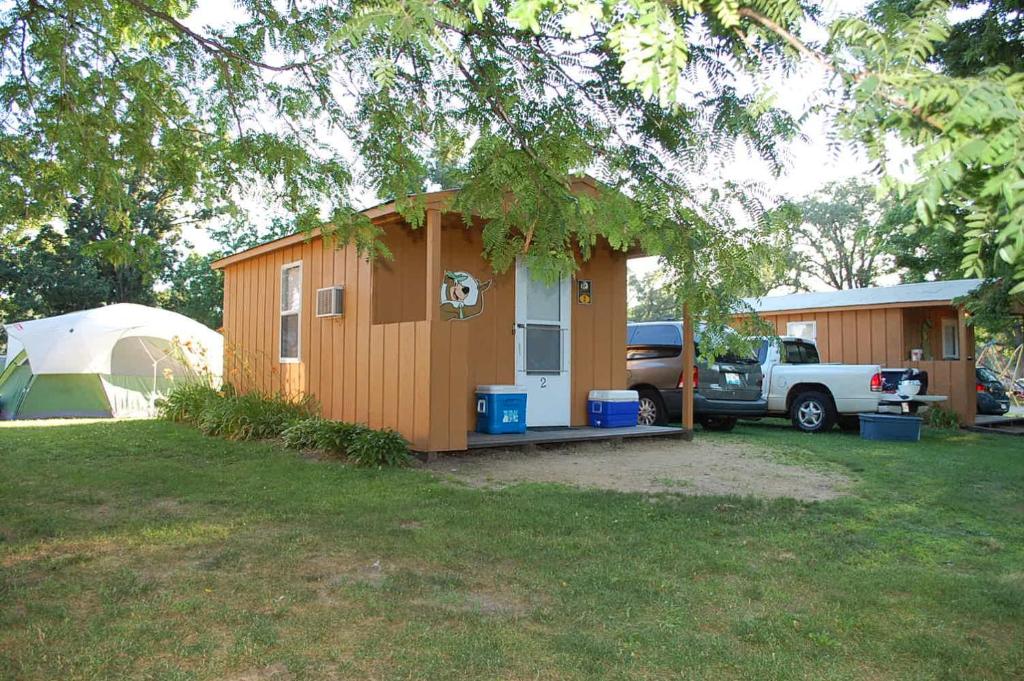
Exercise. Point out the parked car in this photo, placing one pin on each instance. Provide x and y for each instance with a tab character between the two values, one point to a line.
724	390
816	396
992	397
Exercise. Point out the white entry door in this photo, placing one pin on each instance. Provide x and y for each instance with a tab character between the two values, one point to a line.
543	347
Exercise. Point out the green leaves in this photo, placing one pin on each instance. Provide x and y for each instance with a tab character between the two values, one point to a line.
108	99
966	133
525	14
509	101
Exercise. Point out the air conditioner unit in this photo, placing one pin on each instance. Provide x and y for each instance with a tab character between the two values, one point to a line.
330	301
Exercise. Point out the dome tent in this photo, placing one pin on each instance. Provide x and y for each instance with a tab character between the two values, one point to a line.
109	361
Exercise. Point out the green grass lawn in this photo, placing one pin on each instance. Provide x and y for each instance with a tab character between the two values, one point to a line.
145	550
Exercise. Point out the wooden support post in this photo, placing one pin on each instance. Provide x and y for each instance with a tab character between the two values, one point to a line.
434	273
964	372
688	362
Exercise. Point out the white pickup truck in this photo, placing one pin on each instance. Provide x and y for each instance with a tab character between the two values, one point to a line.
817	396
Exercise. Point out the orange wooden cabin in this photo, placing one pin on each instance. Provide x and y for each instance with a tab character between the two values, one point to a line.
403	343
891	326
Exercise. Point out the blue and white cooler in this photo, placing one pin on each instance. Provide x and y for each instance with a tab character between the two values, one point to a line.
613	408
500	409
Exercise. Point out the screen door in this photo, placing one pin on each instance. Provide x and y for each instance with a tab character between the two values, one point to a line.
543	347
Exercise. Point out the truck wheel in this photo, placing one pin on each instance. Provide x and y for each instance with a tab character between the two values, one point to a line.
652	409
813	412
722	424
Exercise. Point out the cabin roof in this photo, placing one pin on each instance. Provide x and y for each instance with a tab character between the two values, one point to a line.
381	211
915	294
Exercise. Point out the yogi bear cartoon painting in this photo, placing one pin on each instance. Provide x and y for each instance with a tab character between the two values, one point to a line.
462	295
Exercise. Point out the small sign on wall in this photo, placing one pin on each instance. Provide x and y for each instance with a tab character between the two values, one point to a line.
584	293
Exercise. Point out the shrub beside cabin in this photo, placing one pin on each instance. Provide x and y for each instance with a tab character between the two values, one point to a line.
910	325
403	344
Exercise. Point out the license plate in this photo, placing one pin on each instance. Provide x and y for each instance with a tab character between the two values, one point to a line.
732	378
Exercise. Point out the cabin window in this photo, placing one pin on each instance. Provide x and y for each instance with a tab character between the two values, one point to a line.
291	308
808	330
950	339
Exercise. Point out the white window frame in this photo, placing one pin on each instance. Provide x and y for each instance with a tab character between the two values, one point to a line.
282	313
951	322
813	324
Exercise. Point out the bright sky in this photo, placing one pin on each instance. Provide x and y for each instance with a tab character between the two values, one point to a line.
812	163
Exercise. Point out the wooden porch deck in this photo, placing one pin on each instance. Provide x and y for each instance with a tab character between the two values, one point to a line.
551	436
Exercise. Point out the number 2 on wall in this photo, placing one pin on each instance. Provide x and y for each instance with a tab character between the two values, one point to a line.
543	381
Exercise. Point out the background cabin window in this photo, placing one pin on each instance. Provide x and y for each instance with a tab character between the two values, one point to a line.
291	307
808	330
950	339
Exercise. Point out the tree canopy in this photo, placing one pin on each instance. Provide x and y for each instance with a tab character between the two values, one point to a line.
994	36
97	93
61	268
506	98
839	235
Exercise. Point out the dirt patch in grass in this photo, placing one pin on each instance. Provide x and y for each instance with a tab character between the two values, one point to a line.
275	672
479	602
650	466
331	571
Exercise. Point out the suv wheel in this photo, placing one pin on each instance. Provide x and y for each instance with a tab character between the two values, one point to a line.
813	412
652	409
718	423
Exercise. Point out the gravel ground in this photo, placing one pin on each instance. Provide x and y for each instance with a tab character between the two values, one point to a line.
648	466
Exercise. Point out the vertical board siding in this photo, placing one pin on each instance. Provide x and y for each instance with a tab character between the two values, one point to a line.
598	330
894	337
399	294
315	282
276	373
339	341
440	385
227	326
407	350
379	374
397	360
459	387
824	323
348	372
326	334
421	387
490	354
618	305
392	377
363	286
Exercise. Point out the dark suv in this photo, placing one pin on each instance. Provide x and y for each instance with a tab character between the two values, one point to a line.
992	397
725	390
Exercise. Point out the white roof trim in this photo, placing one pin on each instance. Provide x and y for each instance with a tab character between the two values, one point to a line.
925	292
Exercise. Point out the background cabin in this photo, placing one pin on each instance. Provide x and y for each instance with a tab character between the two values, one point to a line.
885	325
403	343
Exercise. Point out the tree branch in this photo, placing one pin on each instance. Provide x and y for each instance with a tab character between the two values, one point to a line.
212	45
822	60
